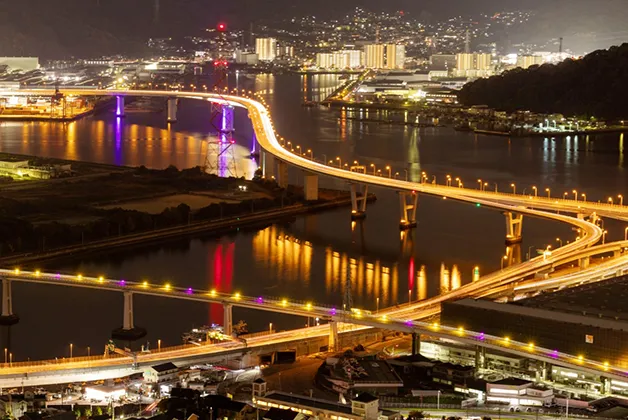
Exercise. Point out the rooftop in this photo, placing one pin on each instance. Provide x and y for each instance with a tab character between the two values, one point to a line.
164	367
511	382
308	402
553	314
601	300
365	370
365	397
280	414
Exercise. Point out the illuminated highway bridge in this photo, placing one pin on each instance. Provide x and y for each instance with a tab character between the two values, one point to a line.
275	161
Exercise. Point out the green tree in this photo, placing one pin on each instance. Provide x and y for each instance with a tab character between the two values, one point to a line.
98	410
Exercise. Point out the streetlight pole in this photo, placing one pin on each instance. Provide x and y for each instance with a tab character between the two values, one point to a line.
530	252
514	188
374	168
575	195
389	171
621	199
480	182
548	192
584	197
406	171
604	236
409	296
71	348
270	327
536	191
159	345
377	300
502	261
339	162
560	241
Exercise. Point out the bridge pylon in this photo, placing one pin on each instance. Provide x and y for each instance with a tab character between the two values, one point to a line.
514	227
8	317
408	203
129	331
359	195
173	104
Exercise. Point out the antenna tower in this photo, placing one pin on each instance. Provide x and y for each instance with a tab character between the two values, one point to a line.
220	158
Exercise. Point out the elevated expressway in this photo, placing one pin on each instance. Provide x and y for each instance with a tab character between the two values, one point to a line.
498	284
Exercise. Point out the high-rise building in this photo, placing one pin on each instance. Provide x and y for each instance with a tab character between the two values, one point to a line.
266	48
374	56
473	61
285	51
525	61
355	57
395	56
339	59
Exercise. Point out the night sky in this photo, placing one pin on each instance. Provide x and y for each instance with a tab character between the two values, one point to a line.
65	28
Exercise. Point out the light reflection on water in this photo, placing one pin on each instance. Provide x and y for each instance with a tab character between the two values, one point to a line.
316	257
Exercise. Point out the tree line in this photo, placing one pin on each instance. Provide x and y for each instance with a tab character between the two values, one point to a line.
594	86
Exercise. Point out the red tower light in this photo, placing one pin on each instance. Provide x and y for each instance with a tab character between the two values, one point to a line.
222	27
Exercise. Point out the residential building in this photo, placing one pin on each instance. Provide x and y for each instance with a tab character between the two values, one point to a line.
525	61
163	373
395	56
266	48
474	65
246	57
374	56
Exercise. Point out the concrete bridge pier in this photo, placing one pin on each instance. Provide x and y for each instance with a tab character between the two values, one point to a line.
281	175
8	317
227	318
334	342
606	385
514	227
480	357
359	195
584	262
408	203
268	165
120	106
310	186
416	343
172	110
129	331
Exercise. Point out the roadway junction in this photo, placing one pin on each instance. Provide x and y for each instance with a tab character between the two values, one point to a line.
525	278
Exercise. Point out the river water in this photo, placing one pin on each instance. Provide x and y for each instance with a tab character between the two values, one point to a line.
312	258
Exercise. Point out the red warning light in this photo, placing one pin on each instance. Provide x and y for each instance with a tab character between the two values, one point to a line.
221	27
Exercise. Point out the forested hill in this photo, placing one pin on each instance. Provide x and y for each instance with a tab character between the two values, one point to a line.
594	86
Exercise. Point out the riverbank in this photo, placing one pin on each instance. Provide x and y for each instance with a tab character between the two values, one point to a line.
32	116
104	206
550	134
252	221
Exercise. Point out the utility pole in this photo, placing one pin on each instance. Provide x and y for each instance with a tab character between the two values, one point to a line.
560	45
